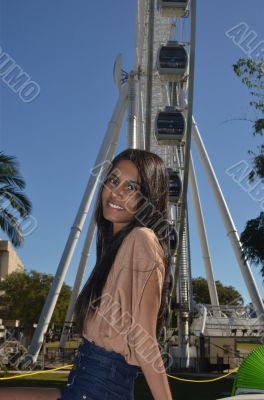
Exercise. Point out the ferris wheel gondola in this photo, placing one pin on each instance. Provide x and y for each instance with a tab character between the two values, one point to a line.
173	8
172	61
170	126
175	185
173	239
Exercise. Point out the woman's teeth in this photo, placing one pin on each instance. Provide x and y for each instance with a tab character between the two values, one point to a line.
115	206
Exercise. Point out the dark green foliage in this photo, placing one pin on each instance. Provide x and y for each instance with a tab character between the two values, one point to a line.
226	294
24	296
15	207
252	239
251	73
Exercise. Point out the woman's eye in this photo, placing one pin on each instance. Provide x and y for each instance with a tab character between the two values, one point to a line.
113	180
131	187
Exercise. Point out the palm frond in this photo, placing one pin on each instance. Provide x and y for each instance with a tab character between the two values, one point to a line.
7	179
17	200
9	173
11	226
4	158
14	205
251	372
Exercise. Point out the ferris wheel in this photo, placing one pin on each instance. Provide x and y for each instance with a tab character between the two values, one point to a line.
164	61
158	96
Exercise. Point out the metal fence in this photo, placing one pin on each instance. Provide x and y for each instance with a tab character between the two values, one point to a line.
53	358
206	364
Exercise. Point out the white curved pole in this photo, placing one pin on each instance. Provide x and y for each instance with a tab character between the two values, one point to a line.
228	223
110	140
202	235
204	319
77	282
81	270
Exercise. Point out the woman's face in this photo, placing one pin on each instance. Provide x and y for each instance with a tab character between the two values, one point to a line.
120	194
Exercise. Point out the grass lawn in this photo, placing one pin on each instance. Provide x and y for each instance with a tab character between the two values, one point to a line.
180	390
186	390
73	344
244	347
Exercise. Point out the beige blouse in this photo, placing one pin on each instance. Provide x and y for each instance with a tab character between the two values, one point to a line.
126	319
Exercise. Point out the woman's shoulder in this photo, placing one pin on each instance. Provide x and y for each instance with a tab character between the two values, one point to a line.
145	241
143	233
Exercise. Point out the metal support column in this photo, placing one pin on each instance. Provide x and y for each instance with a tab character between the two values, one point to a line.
109	141
229	224
202	236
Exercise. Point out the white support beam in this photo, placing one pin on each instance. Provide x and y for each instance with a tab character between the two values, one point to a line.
77	282
230	228
109	142
203	236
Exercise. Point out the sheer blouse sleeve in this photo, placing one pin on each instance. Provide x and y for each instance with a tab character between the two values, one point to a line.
148	277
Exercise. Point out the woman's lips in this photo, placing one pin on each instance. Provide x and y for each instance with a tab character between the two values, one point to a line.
112	206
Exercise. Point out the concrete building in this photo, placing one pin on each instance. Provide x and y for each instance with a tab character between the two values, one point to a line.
9	260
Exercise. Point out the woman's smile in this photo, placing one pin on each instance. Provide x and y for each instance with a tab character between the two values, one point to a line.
119	196
115	206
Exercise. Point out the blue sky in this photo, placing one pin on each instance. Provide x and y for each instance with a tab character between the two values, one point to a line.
68	48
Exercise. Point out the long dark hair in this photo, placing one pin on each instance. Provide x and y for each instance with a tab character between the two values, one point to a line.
154	188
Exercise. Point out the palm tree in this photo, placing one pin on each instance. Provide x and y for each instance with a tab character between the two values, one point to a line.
15	207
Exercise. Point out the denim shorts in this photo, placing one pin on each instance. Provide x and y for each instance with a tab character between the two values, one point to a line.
99	374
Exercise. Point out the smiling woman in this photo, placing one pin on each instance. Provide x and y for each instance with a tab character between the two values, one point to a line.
120	310
120	194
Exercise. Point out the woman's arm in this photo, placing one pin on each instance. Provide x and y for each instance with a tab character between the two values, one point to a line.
143	336
157	382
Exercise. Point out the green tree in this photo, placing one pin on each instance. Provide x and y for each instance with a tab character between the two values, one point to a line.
15	207
226	294
252	239
24	294
251	73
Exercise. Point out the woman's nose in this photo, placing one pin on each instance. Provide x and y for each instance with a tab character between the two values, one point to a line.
119	191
